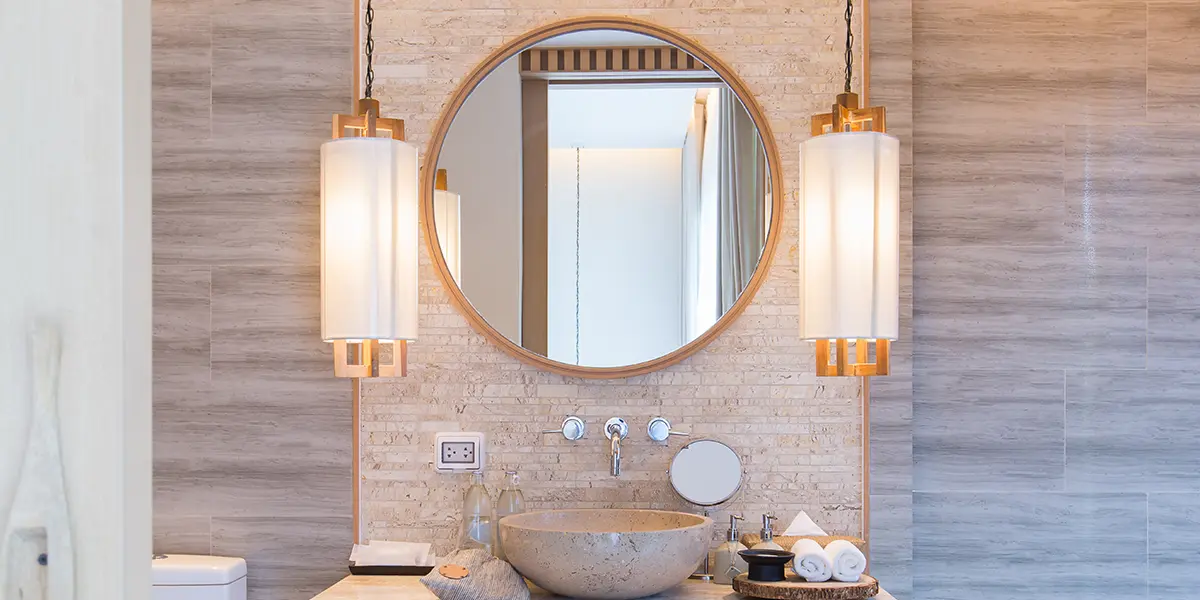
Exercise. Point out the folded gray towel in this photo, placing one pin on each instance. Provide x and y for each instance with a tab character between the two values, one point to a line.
489	578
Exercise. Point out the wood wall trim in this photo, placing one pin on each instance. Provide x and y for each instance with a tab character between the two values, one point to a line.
535	215
662	59
514	47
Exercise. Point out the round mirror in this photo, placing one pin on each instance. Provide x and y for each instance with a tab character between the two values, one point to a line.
605	197
706	473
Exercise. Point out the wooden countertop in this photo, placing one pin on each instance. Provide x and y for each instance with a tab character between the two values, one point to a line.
362	587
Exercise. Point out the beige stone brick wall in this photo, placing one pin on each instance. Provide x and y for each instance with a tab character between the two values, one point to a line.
753	388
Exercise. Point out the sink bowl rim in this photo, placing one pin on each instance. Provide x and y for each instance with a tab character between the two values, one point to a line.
517	521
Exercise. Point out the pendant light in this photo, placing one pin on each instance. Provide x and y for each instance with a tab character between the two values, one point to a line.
850	228
447	220
369	238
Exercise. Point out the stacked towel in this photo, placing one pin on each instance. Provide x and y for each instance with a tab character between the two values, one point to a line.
811	562
847	561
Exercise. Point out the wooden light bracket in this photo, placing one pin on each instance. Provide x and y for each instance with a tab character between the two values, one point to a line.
439	180
847	116
365	358
837	364
362	359
366	122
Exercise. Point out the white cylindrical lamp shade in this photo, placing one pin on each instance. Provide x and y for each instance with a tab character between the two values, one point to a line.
369	245
850	244
447	211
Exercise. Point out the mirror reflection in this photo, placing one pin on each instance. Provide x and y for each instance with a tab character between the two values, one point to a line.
606	198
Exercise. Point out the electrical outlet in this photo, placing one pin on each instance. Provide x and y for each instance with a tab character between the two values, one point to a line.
458	452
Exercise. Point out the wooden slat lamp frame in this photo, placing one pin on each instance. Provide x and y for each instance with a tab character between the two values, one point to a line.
363	358
848	116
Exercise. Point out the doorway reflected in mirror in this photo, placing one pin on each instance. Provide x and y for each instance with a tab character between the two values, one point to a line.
614	198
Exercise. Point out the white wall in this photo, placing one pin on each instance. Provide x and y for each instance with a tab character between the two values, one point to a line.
75	242
630	255
482	158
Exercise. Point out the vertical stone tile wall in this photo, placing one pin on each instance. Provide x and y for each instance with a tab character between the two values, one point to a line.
1056	230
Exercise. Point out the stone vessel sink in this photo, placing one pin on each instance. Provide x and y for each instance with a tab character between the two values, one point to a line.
606	554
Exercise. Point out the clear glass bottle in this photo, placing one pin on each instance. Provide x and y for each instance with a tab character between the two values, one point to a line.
729	563
511	502
477	518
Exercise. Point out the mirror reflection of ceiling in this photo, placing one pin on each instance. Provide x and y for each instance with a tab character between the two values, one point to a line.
613	198
601	38
619	116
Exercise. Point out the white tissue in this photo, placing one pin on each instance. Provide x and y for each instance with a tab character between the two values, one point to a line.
392	554
848	562
803	525
811	562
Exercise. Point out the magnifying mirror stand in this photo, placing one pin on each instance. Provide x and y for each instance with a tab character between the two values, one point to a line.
706	474
706	573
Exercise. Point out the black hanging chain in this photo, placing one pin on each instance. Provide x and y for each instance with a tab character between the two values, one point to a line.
849	43
370	49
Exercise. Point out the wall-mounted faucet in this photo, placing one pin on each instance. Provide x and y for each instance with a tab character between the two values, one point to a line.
659	430
572	428
616	429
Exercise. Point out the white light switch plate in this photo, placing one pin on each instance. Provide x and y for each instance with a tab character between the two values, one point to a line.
456	452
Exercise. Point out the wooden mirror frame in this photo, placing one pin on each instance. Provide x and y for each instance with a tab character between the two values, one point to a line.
513	48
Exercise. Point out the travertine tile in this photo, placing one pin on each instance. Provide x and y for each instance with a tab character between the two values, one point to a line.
235	202
281	77
1174	542
286	558
1133	430
891	70
1133	184
230	454
997	545
182	65
267	332
892	543
891	435
181	327
994	307
1035	63
1173	68
182	534
250	9
1174	306
999	430
993	86
961	172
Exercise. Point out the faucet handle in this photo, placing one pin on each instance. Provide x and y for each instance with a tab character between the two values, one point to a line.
659	429
572	428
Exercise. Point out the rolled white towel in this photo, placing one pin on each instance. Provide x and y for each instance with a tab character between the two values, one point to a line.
811	562
847	561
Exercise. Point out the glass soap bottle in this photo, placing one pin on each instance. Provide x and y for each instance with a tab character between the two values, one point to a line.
511	502
768	536
477	517
728	563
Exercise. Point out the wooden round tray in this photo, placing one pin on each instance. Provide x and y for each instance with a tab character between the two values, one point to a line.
795	588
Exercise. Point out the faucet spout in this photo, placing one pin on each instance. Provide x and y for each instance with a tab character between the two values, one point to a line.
615	450
616	429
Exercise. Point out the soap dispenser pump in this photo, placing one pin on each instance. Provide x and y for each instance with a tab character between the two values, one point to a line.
729	563
768	536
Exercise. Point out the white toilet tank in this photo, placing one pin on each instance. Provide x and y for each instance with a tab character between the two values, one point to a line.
191	577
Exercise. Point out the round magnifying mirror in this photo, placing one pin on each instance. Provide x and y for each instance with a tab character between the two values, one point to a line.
706	473
605	198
